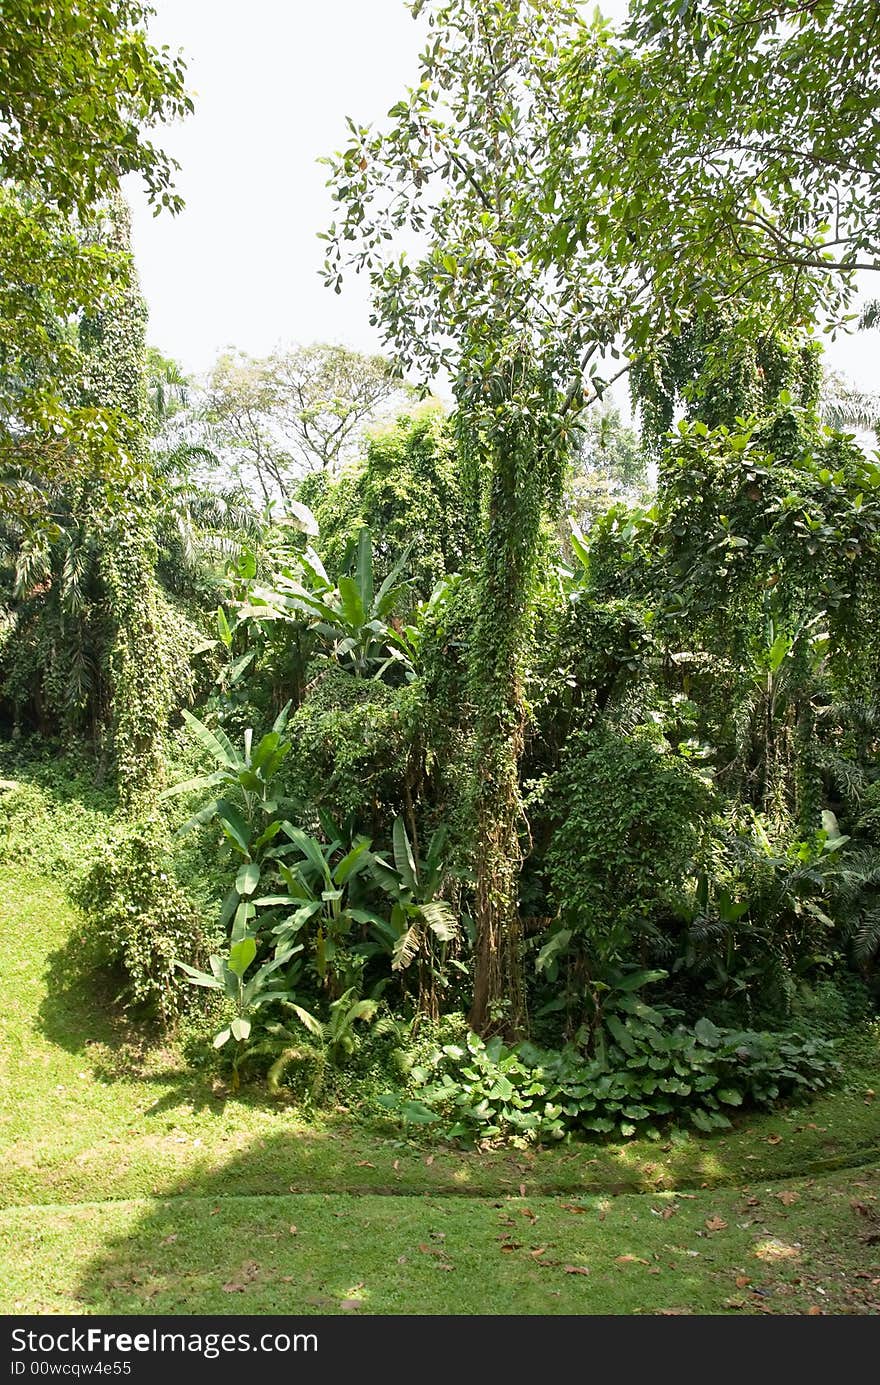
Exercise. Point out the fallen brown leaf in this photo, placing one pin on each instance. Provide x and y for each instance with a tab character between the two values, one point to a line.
715	1224
788	1197
575	1269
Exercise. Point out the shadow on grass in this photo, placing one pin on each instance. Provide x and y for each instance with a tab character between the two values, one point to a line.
208	1244
78	1007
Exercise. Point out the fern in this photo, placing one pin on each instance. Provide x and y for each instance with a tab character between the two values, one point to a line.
867	937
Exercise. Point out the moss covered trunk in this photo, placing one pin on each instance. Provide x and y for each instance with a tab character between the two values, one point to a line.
516	495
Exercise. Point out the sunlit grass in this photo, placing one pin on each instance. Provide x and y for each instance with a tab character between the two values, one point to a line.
136	1185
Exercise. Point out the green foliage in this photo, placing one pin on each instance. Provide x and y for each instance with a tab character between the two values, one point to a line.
422	924
743	135
652	1072
626	812
759	926
248	809
141	919
334	1039
320	911
354	620
357	746
80	88
248	997
52	817
407	492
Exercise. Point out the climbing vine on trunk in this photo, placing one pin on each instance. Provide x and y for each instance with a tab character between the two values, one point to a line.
510	443
139	655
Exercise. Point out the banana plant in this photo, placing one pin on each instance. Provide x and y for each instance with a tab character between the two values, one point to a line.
227	976
422	925
248	808
320	890
337	1032
354	622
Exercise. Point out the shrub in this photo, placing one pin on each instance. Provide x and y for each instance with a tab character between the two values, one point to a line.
650	1072
626	832
353	739
142	919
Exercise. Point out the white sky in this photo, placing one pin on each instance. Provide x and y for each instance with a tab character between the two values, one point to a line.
273	81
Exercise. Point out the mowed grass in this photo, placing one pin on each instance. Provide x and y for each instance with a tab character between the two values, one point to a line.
769	1248
134	1185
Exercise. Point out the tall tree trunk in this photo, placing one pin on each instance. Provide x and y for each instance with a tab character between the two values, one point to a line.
515	505
115	379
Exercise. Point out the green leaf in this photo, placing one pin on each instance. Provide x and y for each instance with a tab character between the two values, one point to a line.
730	1096
313	1025
352	606
222	1038
553	949
309	848
267	745
391	590
233	671
217	743
280	721
202	781
234	825
621	1034
415	1113
707	1033
579	543
241	1029
241	954
223	629
353	862
248	878
243	915
403	856
200	978
635	980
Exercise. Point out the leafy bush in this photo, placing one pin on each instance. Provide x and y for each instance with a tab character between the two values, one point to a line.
142	919
353	741
650	1072
627	813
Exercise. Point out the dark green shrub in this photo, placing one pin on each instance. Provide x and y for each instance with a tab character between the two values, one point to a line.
354	742
627	814
651	1072
142	920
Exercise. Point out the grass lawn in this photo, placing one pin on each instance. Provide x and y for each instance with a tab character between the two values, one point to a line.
133	1185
